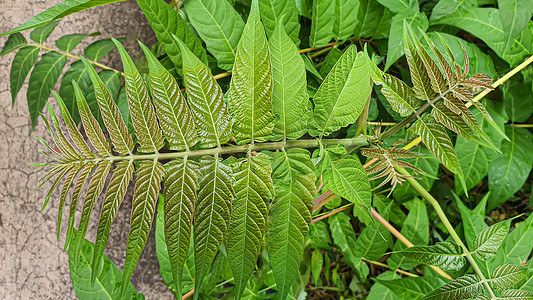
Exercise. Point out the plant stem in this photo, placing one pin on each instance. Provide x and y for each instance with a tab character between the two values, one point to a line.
377	263
522	125
442	216
75	57
354	142
331	213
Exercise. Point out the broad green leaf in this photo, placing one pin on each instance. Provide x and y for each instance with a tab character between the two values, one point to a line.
107	284
21	66
413	287
289	94
92	129
486	24
344	237
429	165
447	7
373	241
400	96
180	187
415	20
321	25
509	171
340	99
526	285
96	187
319	236
415	229
329	62
68	42
464	287
100	49
399	6
79	74
473	220
172	111
42	79
436	139
479	61
345	18
294	178
14	42
445	255
166	21
219	25
474	160
347	178
253	188
275	11
41	33
518	100
114	196
161	247
517	246
373	20
317	263
212	213
206	101
142	111
251	84
506	276
515	15
379	291
147	185
489	240
114	123
58	11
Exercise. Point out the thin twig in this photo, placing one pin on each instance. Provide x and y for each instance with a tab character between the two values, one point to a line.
377	263
188	295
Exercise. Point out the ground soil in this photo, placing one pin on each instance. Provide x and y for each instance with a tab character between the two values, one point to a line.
32	264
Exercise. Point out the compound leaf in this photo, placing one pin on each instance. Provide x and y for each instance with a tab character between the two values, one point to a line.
445	255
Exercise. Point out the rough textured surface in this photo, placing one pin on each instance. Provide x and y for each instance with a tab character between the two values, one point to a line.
32	264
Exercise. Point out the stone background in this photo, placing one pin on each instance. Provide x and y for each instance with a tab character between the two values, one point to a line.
32	264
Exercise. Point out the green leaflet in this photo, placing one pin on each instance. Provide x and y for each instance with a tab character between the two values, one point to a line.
379	291
275	11
58	11
516	246
41	33
92	129
347	178
516	295
373	20
419	75
447	7
96	186
166	21
474	160
413	288
372	243
294	178
400	96
415	229
317	263
340	99
114	195
219	25
445	255
253	188
206	101
506	276
464	287
14	42
488	241
21	66
289	94
64	193
100	49
515	16
108	276
42	79
180	187
321	25
399	6
68	42
486	24
109	110
397	32
436	139
147	187
509	171
111	80
142	111
79	74
212	214
345	18
251	84
473	220
329	62
344	237
452	121
518	100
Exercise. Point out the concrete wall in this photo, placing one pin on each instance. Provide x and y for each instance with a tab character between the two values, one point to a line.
32	264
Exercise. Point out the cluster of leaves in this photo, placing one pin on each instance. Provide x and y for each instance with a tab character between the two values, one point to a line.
252	212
